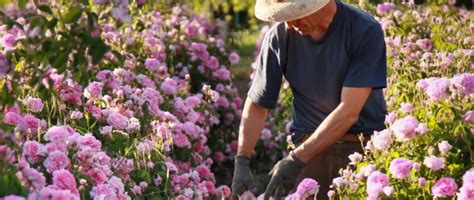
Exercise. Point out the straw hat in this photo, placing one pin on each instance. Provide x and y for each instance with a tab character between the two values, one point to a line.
286	10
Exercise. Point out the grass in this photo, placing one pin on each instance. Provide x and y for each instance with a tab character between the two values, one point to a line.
245	42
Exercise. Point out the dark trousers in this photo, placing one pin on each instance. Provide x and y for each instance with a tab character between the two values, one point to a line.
325	166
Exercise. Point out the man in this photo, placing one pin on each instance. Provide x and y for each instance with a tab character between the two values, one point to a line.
333	56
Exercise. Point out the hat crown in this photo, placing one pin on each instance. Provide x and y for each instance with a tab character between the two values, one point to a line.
286	10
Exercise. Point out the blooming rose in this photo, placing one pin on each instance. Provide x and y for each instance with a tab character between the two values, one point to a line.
306	188
382	140
63	179
375	183
444	146
234	58
34	104
444	187
467	190
404	129
434	163
117	120
400	168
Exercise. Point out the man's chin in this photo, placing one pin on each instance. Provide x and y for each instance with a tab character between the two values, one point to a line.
303	32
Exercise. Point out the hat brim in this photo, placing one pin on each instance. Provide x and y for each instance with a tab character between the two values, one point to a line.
270	11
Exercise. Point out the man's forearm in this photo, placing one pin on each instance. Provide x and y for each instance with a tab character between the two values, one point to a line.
330	131
251	124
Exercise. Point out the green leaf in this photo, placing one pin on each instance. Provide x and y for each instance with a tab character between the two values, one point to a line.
119	56
144	175
20	65
52	23
60	61
85	2
22	4
3	2
73	15
46	9
98	50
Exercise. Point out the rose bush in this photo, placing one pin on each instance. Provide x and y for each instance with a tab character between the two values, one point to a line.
426	151
115	100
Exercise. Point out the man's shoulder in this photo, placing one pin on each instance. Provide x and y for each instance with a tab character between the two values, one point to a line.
358	17
362	26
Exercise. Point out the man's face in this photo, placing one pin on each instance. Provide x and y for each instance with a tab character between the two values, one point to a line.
302	25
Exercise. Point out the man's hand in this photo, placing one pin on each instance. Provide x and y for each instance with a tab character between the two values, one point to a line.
284	175
243	179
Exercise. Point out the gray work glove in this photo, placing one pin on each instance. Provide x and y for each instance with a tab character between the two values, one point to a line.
243	180
284	175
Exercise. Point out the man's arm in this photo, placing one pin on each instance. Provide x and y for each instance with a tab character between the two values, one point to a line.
251	124
336	124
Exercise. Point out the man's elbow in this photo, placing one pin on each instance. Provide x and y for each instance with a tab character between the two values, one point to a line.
352	118
351	115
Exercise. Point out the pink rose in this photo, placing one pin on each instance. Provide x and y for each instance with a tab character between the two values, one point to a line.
306	188
421	182
435	88
137	189
444	146
222	74
400	168
8	41
424	44
213	63
97	175
406	107
388	190
234	58
384	8
404	129
204	171
355	158
117	120
31	151
12	118
151	96
421	128
34	104
434	163
169	86
444	187
58	134
93	90
105	191
466	192
469	117
390	117
13	197
63	179
51	192
223	192
464	83
75	114
382	140
222	102
181	140
32	178
56	160
89	141
376	182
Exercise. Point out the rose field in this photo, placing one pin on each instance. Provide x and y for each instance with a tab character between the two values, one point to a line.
119	99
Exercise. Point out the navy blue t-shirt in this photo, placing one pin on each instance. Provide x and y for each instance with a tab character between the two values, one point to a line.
351	53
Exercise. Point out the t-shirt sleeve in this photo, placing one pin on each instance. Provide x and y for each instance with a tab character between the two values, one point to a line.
266	84
368	65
